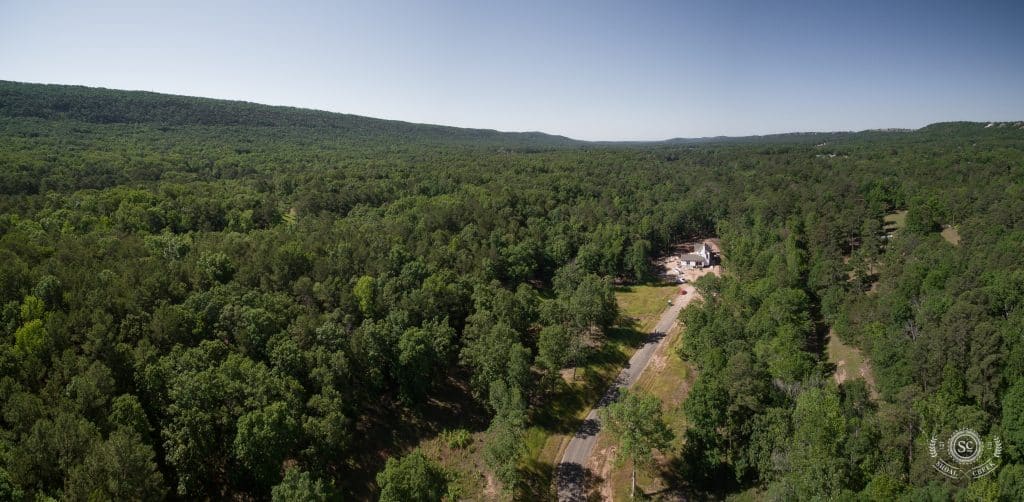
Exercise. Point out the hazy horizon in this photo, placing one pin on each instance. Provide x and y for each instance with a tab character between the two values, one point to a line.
595	72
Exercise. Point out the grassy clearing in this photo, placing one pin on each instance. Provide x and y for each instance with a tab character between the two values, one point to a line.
385	433
669	378
951	234
465	463
552	426
850	363
644	304
895	221
845	357
568	406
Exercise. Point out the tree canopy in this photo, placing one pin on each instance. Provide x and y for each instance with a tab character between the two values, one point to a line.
209	299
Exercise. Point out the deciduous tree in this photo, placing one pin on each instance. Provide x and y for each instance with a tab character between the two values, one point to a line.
636	423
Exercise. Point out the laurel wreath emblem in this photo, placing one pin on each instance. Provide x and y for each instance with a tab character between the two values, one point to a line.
957	466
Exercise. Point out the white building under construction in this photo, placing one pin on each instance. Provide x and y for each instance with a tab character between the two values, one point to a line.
699	259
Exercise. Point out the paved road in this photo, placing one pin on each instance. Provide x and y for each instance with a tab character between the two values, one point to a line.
571	472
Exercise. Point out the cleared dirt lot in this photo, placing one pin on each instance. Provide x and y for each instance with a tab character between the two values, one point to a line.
670	268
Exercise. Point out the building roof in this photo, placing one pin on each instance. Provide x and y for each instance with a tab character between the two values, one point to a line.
693	257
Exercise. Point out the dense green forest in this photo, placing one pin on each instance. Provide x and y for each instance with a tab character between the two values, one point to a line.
204	299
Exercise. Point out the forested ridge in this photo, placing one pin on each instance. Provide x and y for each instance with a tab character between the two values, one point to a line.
203	299
105	106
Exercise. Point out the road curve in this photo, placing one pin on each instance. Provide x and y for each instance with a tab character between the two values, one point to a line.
571	471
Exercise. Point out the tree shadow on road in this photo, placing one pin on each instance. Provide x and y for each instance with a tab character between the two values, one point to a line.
579	484
535	482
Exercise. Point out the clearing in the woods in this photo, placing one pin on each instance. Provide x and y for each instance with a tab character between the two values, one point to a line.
639	307
643	304
895	221
669	378
951	234
850	363
554	425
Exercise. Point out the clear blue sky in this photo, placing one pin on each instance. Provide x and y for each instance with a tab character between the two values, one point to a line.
590	70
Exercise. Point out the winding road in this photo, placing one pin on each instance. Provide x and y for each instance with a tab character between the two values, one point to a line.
571	473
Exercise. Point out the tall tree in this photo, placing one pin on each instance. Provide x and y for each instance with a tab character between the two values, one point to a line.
636	422
412	478
299	486
505	447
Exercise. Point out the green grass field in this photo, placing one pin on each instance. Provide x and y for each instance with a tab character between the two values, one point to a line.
466	464
644	304
850	360
895	221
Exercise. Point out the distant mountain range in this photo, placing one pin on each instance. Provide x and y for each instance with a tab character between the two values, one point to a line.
108	106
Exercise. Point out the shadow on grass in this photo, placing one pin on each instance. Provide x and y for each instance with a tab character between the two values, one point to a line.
560	413
688	481
391	429
627	333
660	282
592	483
535	482
828	367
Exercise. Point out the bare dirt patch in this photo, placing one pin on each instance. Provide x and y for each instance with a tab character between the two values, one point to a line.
951	234
670	267
658	361
840	373
491	488
602	463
